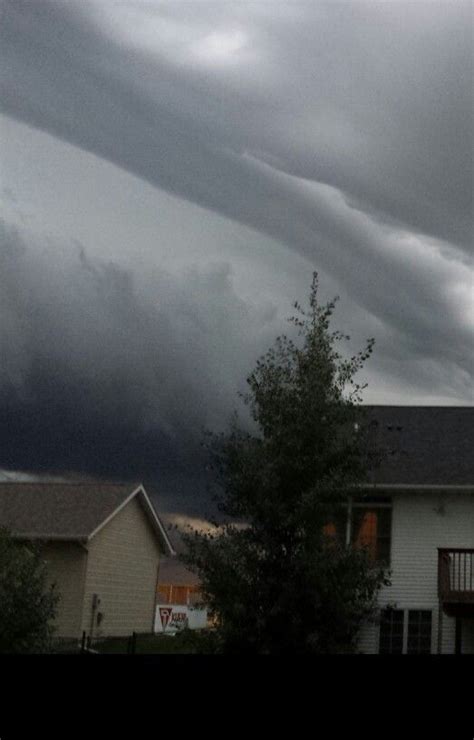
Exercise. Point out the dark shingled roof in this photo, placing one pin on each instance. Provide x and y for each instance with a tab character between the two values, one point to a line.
173	571
59	510
424	445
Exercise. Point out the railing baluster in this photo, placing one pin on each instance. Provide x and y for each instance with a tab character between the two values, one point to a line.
456	574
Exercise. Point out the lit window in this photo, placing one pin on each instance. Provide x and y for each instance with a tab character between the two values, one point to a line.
336	528
371	529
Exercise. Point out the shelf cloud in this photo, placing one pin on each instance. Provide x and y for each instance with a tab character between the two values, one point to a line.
335	137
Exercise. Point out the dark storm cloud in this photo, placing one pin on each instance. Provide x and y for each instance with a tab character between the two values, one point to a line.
96	378
105	374
373	99
345	133
380	111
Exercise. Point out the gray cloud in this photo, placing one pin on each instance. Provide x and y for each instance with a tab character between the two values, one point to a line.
105	372
189	131
374	100
98	378
344	131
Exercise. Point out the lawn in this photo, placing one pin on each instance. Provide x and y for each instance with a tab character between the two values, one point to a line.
187	642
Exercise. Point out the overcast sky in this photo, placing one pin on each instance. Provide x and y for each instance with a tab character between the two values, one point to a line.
171	175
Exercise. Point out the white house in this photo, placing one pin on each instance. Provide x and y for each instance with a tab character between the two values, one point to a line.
417	515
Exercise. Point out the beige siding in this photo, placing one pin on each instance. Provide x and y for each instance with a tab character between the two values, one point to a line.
122	570
422	522
66	565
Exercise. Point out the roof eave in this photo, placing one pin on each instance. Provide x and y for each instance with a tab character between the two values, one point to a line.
418	486
49	537
156	521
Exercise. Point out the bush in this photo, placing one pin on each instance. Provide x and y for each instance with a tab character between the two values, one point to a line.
28	605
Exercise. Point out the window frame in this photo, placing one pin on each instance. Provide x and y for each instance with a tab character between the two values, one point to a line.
406	626
368	501
418	634
372	502
390	610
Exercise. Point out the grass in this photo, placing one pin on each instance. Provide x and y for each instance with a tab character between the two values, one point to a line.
187	642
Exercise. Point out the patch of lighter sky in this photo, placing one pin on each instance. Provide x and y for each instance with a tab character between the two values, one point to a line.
69	197
220	47
181	41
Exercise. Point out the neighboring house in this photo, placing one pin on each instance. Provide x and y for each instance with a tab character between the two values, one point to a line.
177	584
417	515
179	598
102	544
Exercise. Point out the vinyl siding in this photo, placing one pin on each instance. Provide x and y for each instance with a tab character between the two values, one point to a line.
422	522
122	570
66	567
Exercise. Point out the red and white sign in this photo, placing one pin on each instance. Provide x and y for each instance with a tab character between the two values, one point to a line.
166	613
173	617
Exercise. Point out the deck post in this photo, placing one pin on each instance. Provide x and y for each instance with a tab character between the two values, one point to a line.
458	637
440	627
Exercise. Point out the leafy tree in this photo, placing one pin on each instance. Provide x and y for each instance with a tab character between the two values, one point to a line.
273	573
27	604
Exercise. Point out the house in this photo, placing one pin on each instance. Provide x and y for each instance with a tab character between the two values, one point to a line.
416	515
102	544
177	584
179	598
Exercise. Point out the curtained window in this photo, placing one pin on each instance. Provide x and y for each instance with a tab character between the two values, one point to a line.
371	530
370	527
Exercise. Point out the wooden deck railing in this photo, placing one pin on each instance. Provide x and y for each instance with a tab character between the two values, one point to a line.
456	575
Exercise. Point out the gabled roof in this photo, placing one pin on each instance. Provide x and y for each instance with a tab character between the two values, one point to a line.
424	445
70	511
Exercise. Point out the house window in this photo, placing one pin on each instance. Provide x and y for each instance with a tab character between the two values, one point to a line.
391	631
364	523
336	529
419	632
405	631
371	527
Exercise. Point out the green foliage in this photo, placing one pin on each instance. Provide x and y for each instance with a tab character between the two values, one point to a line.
185	642
276	581
27	604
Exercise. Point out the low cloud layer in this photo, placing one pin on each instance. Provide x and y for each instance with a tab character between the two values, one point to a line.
100	378
108	374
